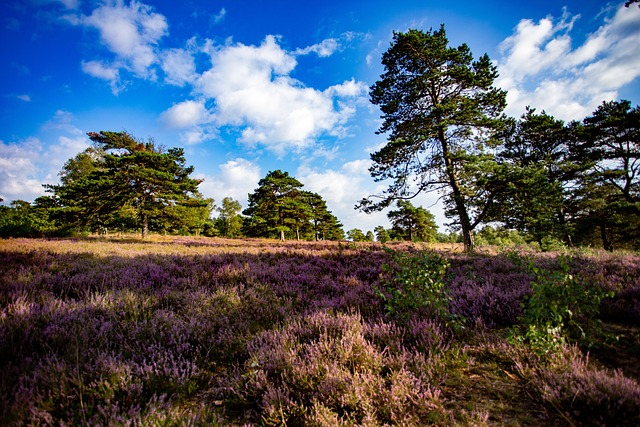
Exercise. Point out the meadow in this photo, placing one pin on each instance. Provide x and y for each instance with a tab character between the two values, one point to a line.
201	331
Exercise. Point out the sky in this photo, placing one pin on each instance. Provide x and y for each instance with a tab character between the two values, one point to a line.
248	87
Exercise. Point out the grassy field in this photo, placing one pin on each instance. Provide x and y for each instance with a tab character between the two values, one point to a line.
198	331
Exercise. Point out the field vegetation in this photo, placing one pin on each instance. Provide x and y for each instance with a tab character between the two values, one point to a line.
206	331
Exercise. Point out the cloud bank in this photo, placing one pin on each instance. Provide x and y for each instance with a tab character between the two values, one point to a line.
540	66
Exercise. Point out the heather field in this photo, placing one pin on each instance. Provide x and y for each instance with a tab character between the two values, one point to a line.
199	331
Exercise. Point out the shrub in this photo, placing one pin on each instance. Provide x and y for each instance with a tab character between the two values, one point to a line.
415	285
561	306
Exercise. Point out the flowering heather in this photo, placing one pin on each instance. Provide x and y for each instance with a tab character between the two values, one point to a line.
198	331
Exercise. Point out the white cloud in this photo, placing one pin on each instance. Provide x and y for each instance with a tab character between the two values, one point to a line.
186	114
104	72
193	118
237	178
18	170
323	49
131	33
24	97
179	67
253	91
540	67
26	165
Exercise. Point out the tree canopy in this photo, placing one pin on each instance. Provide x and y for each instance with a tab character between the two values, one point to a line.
279	207
121	173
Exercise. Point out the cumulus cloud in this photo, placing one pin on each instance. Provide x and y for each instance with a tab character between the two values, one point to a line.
26	165
18	170
186	114
130	32
179	67
253	90
540	66
193	117
237	178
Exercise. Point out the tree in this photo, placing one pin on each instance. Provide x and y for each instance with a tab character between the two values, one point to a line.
125	173
356	235
440	109
536	173
272	206
413	223
382	235
279	207
229	221
325	225
614	145
22	219
610	187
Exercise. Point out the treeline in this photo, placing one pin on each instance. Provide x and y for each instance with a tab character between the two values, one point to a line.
577	183
122	184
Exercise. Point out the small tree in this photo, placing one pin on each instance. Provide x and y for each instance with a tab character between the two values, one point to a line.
229	221
382	235
356	235
413	223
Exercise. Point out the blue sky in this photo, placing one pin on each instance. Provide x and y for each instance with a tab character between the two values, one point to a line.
252	86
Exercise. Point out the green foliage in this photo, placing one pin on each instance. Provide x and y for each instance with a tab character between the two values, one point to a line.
25	220
123	180
415	285
356	235
411	223
229	222
279	208
499	237
382	235
561	306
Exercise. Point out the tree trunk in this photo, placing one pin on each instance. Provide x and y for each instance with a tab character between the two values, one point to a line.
606	244
145	226
297	233
282	235
458	198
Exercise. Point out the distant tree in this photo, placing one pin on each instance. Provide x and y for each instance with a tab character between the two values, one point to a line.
440	109
356	235
382	235
122	174
369	237
22	219
279	207
413	223
272	206
325	225
189	217
229	221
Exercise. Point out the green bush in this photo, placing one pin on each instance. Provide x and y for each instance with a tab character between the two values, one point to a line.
415	285
561	306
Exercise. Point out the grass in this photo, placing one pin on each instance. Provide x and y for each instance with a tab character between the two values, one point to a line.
199	331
